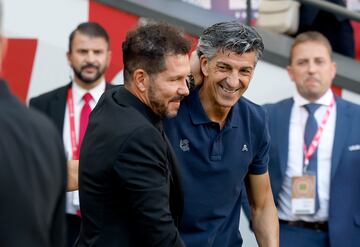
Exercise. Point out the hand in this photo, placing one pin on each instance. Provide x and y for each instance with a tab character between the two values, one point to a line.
195	68
73	175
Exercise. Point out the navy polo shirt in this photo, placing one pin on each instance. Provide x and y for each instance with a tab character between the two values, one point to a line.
213	164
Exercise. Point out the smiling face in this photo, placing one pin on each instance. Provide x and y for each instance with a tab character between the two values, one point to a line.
312	69
167	88
89	58
226	77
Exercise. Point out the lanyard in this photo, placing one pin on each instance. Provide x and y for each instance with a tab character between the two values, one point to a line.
74	144
308	152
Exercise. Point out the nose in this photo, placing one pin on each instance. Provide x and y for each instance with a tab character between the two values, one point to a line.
233	81
90	57
183	90
312	67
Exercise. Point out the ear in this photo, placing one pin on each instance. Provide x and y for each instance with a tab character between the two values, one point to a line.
290	72
204	65
333	70
141	79
109	58
68	56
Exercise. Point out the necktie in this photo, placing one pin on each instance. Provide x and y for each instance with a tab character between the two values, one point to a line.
84	117
310	131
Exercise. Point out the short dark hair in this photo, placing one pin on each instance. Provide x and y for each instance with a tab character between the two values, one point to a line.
146	47
91	29
230	36
310	36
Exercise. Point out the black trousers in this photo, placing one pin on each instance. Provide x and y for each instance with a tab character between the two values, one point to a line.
73	228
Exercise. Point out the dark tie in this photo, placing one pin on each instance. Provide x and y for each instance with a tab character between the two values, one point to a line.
310	131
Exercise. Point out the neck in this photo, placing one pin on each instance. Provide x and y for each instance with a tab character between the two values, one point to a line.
138	94
215	112
88	86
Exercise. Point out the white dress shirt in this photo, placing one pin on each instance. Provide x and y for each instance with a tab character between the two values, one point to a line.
296	156
72	198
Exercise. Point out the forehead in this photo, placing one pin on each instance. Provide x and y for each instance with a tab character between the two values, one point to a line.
247	59
310	49
177	64
83	41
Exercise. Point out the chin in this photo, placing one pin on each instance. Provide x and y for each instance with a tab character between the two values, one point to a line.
171	114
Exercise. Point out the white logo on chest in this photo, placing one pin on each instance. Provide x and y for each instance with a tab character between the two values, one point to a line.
184	145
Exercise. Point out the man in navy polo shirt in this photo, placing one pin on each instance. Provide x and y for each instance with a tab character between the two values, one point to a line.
220	138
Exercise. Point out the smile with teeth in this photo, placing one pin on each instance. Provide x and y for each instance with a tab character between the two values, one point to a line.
227	90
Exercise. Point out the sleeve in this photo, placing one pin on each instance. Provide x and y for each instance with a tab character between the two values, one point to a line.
142	170
259	164
58	228
36	103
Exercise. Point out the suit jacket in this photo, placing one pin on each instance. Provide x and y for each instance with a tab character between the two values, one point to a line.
53	104
129	187
32	177
344	202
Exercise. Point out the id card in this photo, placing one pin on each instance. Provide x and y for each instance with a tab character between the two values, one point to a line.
303	189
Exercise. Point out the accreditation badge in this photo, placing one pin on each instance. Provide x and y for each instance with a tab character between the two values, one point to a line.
303	189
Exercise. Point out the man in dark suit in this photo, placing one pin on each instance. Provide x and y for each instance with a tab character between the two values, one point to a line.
334	152
336	28
128	179
69	106
32	175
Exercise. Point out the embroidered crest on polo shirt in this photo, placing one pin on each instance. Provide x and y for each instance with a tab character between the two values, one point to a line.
184	145
244	148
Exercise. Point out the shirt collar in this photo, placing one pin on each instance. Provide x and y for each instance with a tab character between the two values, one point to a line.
124	96
325	100
96	92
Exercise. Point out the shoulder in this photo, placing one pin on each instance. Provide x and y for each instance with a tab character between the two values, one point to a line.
116	116
48	96
345	103
348	108
22	119
278	106
252	110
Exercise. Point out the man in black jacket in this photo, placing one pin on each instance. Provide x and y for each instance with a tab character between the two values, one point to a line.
32	175
129	185
89	56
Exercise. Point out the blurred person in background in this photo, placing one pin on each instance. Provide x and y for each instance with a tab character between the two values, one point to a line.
32	174
69	106
315	153
336	28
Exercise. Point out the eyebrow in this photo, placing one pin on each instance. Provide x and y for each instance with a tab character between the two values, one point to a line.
223	64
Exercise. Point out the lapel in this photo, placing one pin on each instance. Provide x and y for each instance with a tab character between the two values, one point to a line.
57	107
282	124
109	86
343	116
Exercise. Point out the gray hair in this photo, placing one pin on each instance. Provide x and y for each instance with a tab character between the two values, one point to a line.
230	36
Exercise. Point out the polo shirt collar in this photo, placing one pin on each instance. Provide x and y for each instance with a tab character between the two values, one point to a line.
198	115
